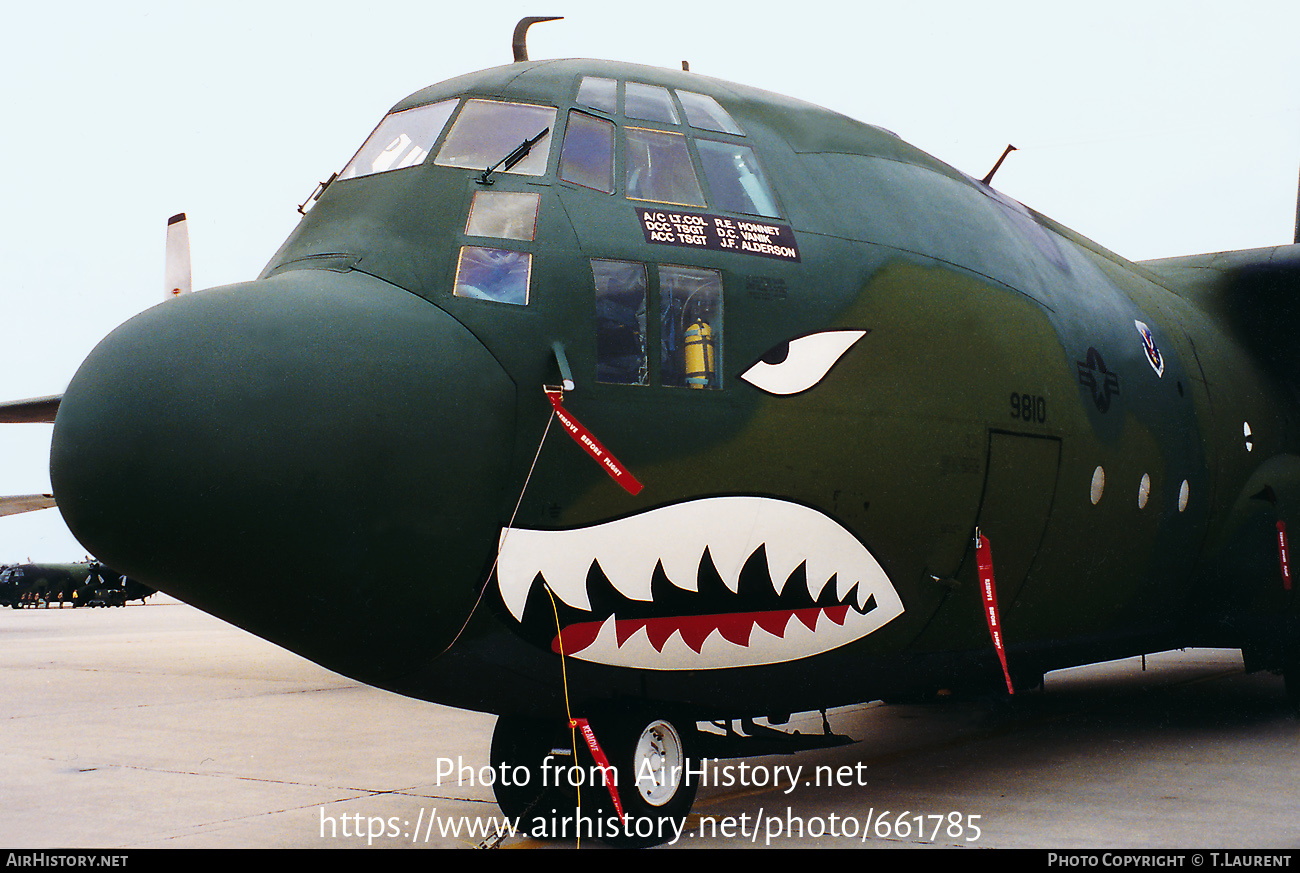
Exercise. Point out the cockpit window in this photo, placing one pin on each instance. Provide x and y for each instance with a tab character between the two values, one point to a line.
402	139
504	214
735	178
620	322
599	94
690	326
659	168
587	157
704	112
648	102
493	274
486	131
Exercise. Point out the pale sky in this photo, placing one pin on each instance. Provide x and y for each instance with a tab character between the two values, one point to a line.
1156	128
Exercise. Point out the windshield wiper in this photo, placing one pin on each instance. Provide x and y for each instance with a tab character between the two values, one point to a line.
521	151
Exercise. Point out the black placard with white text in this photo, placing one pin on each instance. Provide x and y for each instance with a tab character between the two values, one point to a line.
719	233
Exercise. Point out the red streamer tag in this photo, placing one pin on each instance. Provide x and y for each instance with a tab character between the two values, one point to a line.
611	780
592	446
1283	556
984	559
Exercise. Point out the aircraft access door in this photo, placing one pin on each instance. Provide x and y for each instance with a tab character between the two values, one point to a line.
1019	488
1018	493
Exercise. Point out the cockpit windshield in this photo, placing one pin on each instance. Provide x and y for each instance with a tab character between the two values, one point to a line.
402	139
487	131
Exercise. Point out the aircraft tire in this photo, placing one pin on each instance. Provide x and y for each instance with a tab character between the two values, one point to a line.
523	742
658	749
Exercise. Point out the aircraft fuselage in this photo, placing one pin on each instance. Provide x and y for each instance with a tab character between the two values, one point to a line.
828	357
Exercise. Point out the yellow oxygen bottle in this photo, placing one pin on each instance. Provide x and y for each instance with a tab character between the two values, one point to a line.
697	355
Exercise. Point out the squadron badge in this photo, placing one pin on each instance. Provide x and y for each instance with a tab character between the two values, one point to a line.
1154	358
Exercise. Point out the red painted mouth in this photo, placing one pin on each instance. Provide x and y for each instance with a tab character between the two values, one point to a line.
735	627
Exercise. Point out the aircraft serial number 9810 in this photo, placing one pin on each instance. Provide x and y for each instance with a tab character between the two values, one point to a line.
1029	407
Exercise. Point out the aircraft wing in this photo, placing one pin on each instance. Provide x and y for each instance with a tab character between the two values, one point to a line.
37	409
25	503
33	410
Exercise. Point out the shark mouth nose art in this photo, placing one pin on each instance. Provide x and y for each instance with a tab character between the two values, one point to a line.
706	584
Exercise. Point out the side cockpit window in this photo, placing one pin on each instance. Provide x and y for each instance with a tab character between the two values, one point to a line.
620	322
689	318
735	178
690	324
659	168
587	158
403	139
488	131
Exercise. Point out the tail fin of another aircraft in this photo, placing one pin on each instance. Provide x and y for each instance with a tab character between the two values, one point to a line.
1297	216
1255	293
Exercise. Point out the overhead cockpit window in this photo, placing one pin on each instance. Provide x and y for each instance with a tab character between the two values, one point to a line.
402	139
487	131
493	274
599	94
504	214
587	157
659	168
620	322
704	112
690	327
648	102
735	178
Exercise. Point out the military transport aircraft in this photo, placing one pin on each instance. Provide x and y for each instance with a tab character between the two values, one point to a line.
87	583
631	394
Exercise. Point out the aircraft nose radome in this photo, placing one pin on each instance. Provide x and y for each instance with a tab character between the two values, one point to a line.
316	444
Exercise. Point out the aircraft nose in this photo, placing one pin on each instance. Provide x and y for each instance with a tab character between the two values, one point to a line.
318	457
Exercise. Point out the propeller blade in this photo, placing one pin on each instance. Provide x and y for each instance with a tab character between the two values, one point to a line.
177	273
37	409
25	503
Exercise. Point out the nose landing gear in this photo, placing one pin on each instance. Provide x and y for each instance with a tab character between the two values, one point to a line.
652	774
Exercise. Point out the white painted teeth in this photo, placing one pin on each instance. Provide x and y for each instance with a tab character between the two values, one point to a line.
731	528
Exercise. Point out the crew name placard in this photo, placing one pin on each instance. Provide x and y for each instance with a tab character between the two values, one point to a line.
719	233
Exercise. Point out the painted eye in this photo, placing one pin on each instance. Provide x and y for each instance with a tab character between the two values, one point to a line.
800	364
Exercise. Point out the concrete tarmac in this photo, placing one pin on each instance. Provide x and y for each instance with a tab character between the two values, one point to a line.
158	726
